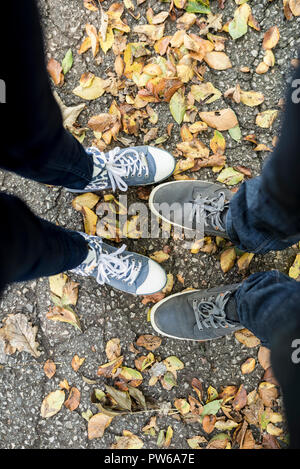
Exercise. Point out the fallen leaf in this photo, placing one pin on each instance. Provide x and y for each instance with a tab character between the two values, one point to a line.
245	337
182	405
97	425
113	349
218	60
294	271
55	71
240	400
109	369
230	177
244	261
65	314
251	98
57	283
73	400
52	403
159	256
49	368
238	27
18	334
248	366
178	106
77	362
264	357
224	119
227	259
149	342
265	119
295	7
271	38
208	423
128	441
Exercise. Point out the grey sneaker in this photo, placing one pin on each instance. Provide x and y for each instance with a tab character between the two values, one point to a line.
135	166
123	270
190	203
197	314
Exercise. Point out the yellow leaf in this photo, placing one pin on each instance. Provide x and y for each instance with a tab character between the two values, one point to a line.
244	261
294	271
159	256
265	119
251	98
90	221
52	403
95	89
109	40
227	259
85	200
248	366
57	283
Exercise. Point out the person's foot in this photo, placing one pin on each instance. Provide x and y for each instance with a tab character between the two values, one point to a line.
135	166
123	270
188	203
197	314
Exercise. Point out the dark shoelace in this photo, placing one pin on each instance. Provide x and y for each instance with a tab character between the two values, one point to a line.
205	209
211	312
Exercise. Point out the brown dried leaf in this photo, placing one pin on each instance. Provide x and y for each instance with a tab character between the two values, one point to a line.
218	60
264	357
77	362
224	119
208	423
97	425
113	349
18	334
49	368
149	342
55	71
271	38
240	399
73	400
248	366
247	338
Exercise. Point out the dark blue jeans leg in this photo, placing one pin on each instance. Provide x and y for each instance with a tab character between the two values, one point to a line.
267	302
268	305
264	214
34	142
31	247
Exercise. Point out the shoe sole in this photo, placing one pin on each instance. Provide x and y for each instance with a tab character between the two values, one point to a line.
155	307
156	213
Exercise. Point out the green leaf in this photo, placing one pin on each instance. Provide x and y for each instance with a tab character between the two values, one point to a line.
122	398
178	106
230	176
67	62
197	6
239	25
160	438
212	408
235	133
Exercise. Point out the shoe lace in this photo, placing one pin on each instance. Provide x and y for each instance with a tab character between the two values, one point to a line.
211	312
209	210
113	265
122	164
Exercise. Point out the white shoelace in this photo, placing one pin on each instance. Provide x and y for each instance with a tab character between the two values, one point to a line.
110	265
118	167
